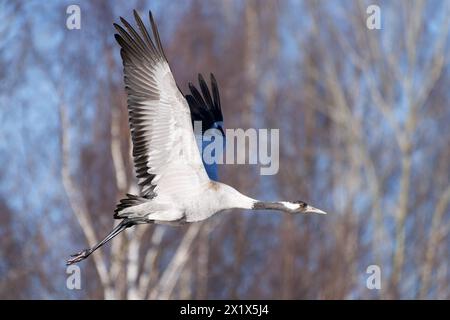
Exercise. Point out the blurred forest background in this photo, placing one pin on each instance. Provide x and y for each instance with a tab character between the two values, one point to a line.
364	126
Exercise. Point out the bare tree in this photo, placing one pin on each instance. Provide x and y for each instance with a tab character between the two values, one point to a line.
363	118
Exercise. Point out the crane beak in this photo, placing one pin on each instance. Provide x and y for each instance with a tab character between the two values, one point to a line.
311	209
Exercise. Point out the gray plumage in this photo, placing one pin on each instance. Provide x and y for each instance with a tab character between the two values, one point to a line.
175	187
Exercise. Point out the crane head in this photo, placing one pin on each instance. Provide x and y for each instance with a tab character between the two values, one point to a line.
302	207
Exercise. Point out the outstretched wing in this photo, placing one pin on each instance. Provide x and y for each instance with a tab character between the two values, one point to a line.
207	109
165	153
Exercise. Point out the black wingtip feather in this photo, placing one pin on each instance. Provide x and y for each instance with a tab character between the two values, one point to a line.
204	107
156	35
119	40
205	92
139	46
216	97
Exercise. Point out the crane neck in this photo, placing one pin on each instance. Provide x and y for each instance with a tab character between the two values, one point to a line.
269	205
230	198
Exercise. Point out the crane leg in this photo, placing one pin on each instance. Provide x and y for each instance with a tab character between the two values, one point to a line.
77	257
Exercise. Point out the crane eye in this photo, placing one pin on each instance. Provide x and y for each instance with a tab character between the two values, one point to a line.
302	204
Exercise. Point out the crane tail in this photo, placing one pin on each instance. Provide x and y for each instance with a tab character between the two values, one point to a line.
130	201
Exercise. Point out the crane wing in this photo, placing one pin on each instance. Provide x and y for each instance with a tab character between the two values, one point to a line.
204	107
164	148
207	109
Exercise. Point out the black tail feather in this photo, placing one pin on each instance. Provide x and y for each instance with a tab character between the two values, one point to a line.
129	201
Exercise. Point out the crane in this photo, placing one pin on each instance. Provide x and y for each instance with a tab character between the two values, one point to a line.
174	185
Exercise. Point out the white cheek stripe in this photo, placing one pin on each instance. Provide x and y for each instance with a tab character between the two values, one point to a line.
290	205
